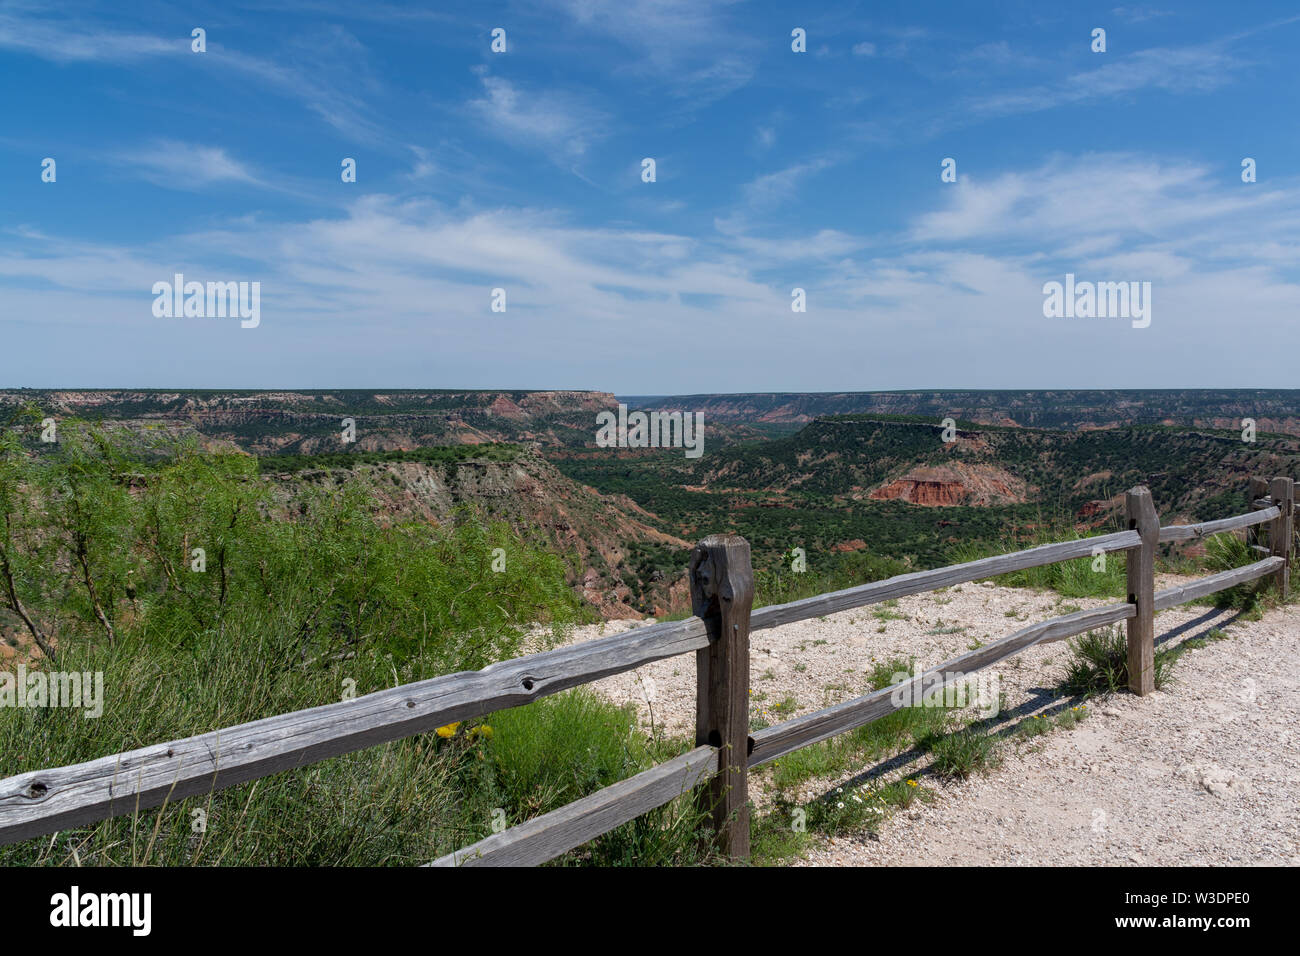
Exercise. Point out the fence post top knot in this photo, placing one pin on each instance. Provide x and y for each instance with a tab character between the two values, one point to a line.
719	569
1141	509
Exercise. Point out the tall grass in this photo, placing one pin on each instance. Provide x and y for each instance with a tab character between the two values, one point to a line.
1099	576
303	595
780	584
1223	552
878	739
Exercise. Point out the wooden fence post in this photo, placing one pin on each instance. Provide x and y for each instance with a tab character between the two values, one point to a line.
1141	565
1258	489
722	593
1282	491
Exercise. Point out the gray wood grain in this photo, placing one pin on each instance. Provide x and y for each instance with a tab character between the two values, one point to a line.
1182	593
1257	492
1189	532
919	581
1256	498
775	742
546	837
722	593
1140	571
43	801
1282	492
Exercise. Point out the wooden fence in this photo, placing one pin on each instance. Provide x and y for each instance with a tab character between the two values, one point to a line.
44	801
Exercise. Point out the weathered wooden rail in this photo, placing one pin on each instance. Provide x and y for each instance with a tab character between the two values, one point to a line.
44	801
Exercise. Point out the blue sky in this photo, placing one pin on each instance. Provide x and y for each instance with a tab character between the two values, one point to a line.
775	169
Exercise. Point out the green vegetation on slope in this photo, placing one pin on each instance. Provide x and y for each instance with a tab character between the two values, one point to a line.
437	455
205	602
811	490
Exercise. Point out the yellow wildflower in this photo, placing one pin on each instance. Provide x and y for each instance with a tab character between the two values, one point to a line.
448	731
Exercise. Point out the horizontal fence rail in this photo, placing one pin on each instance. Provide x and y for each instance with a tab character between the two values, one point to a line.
1188	532
1201	587
774	742
546	837
44	801
918	582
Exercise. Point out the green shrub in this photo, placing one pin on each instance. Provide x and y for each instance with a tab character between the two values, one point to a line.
305	593
1099	663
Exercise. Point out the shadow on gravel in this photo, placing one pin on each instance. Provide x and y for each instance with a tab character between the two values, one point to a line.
1214	617
1042	701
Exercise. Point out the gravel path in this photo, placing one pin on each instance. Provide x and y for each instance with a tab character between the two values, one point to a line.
1206	772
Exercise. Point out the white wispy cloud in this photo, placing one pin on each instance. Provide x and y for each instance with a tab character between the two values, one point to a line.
555	122
770	189
1140	14
424	164
178	165
64	41
764	193
404	285
691	47
324	68
1073	198
1196	69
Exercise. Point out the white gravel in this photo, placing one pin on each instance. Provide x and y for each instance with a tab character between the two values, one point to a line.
1203	773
